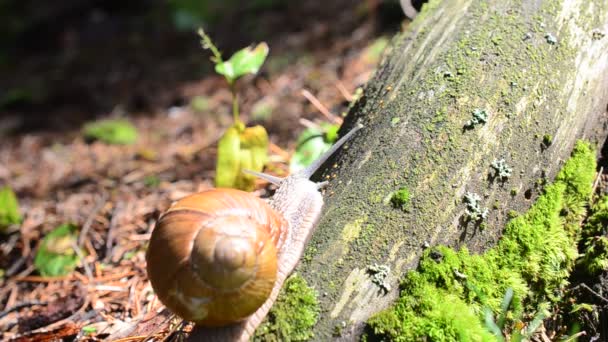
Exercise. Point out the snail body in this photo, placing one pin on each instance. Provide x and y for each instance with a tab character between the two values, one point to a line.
220	257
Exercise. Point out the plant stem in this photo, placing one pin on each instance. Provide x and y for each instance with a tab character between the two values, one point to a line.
235	102
207	43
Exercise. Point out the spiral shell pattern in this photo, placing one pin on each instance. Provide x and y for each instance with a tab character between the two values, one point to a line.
212	257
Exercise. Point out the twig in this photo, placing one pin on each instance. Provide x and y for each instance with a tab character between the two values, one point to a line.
575	336
20	306
87	224
15	266
310	124
583	285
597	180
320	107
113	223
347	95
87	269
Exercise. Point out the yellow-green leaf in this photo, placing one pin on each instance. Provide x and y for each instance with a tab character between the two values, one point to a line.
312	143
228	160
111	131
56	255
244	61
241	148
9	209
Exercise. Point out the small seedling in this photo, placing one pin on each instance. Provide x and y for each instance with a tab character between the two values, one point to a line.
111	131
379	273
9	209
503	171
240	147
480	117
473	207
56	255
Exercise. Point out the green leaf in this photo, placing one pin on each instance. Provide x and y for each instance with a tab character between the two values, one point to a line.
89	329
312	143
56	255
254	155
241	148
228	159
9	209
111	131
244	61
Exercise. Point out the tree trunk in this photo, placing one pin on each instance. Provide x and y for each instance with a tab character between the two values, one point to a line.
538	69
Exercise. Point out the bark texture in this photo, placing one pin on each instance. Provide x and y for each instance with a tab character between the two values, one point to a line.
539	69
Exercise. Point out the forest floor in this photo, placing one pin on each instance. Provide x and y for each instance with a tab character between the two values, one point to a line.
320	54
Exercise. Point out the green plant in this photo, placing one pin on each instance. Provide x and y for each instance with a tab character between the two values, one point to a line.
401	198
240	147
312	143
9	209
111	131
56	255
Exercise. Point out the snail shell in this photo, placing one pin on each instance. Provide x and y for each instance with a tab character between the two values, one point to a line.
214	259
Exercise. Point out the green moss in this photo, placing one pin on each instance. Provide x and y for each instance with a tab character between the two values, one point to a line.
111	131
444	299
293	315
595	257
401	198
547	140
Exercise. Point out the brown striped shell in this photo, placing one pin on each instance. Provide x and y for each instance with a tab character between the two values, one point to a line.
212	257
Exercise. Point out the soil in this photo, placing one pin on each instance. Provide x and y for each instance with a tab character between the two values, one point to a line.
90	59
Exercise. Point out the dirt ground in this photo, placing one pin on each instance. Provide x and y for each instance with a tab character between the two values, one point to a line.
106	62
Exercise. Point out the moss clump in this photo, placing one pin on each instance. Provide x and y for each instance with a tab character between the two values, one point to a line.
401	198
595	257
9	209
547	140
445	298
111	131
293	315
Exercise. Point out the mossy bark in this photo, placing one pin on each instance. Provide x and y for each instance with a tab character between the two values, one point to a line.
539	70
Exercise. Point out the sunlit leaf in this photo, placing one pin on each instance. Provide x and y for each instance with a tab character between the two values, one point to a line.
56	255
244	61
228	159
241	148
254	155
111	131
9	209
312	143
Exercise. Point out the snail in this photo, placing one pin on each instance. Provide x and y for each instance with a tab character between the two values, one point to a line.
219	258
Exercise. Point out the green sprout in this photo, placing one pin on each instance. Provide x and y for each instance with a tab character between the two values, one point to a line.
240	147
111	131
9	209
